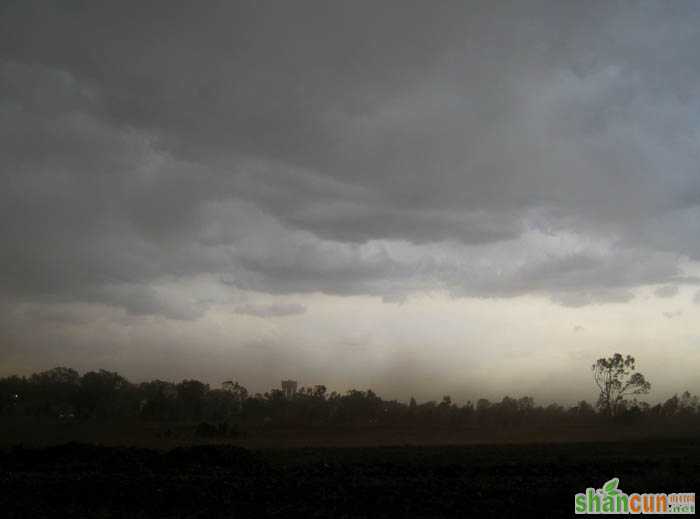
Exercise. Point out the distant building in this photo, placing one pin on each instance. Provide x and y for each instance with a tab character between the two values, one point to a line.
289	388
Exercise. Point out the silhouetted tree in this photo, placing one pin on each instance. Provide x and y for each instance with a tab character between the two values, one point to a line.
616	379
190	398
238	394
54	392
583	410
157	400
105	394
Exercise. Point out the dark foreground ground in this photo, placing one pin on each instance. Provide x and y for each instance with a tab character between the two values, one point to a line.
79	480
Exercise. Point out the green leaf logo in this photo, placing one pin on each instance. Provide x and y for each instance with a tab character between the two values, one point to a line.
610	487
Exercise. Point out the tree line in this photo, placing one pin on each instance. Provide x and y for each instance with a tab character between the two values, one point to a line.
63	394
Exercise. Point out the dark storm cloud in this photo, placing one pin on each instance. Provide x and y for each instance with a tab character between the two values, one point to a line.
346	147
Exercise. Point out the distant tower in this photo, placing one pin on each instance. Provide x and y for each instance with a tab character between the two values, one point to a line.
289	388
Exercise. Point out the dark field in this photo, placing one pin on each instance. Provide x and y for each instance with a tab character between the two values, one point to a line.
81	480
168	435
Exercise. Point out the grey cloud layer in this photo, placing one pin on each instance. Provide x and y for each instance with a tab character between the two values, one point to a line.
271	310
354	148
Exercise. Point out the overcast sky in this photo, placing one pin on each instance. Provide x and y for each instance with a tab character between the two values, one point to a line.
473	198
